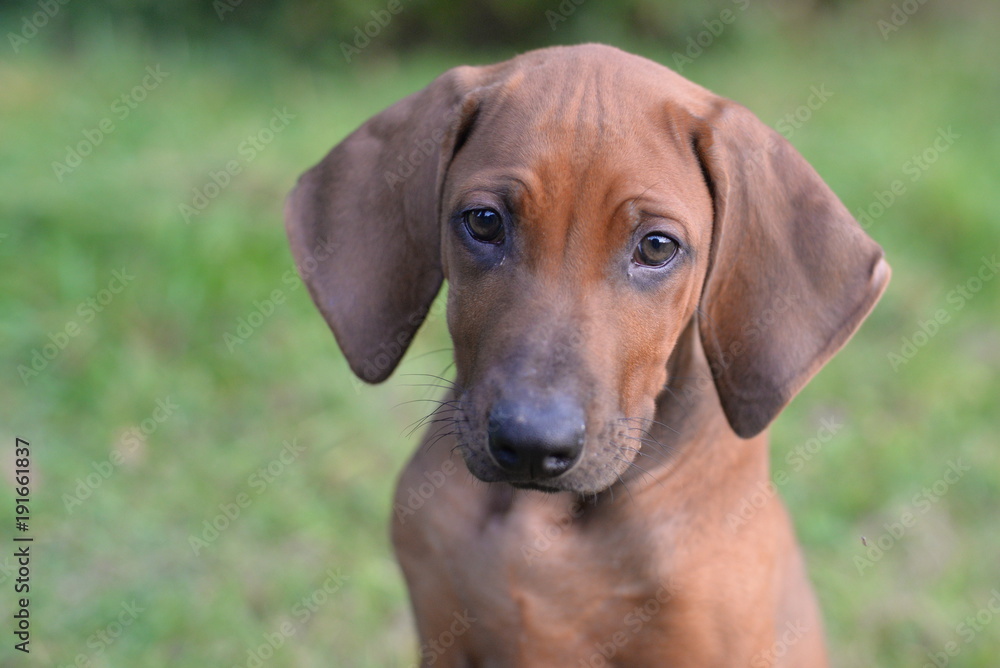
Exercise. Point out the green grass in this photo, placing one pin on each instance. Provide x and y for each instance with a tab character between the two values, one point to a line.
163	338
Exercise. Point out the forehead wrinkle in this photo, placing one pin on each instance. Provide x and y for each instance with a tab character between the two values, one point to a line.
589	131
580	152
562	111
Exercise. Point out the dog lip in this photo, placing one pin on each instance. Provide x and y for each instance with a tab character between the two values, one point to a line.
536	487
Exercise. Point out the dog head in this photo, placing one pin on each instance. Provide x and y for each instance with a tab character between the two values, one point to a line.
586	207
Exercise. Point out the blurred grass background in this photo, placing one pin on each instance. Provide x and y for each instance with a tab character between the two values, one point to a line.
320	515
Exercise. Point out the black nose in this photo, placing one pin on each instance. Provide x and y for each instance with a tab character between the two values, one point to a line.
535	440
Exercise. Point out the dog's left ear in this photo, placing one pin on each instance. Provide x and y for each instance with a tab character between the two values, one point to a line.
791	277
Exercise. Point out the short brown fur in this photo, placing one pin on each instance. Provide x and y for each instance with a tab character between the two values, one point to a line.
584	150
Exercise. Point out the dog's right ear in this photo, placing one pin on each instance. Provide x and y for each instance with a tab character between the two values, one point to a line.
363	223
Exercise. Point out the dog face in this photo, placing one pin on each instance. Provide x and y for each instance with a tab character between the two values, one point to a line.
574	259
584	205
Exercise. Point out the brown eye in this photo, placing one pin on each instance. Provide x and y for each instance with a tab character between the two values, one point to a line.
655	250
484	225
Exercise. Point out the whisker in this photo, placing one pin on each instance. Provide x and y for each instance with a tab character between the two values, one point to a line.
424	421
649	436
432	352
440	402
437	437
443	408
625	486
431	385
652	440
645	472
659	458
448	381
651	421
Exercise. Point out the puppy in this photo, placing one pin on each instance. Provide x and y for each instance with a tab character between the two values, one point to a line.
641	276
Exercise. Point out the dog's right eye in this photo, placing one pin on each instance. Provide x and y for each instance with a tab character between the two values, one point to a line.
484	225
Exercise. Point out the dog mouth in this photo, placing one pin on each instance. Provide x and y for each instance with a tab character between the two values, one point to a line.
536	487
542	442
601	464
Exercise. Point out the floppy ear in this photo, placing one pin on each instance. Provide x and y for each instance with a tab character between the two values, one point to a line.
791	275
364	229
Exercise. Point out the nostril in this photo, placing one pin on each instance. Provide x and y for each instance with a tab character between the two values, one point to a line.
506	457
557	464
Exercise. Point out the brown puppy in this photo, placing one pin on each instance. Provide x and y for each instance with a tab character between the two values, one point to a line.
641	275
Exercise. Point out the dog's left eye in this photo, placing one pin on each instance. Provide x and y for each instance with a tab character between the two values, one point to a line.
484	225
655	250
